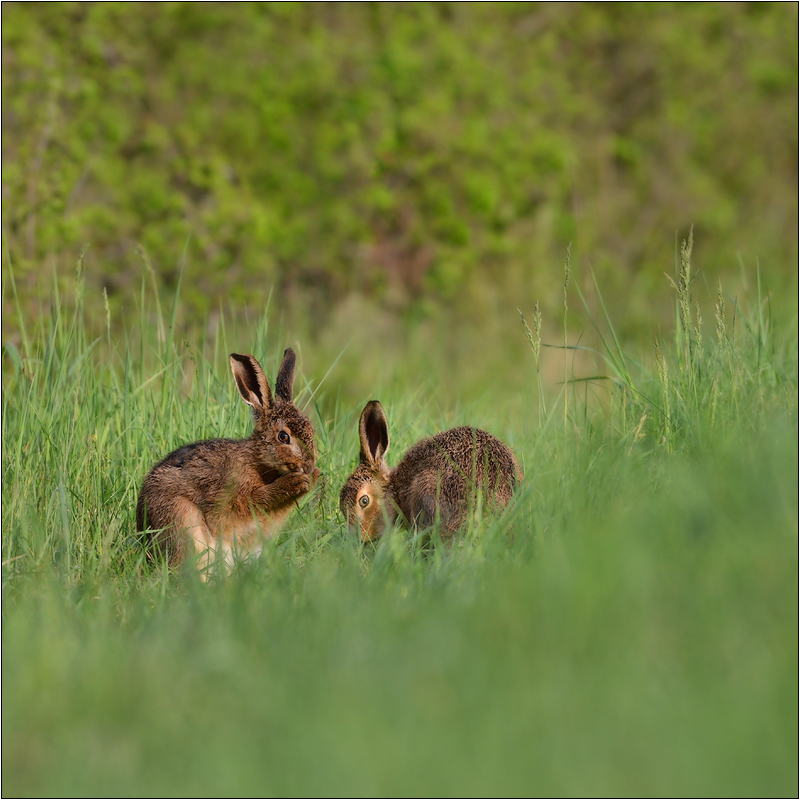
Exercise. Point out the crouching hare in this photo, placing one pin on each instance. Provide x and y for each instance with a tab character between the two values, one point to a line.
442	476
233	494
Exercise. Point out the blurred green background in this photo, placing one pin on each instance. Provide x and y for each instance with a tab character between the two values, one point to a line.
375	164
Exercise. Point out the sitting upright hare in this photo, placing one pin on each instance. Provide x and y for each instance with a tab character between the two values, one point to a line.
441	475
233	494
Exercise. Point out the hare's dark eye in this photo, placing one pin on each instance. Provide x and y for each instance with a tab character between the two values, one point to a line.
363	501
284	437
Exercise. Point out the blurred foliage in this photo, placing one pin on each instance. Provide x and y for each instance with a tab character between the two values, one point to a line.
423	156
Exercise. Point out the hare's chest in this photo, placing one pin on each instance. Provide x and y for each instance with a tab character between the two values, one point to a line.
249	532
235	538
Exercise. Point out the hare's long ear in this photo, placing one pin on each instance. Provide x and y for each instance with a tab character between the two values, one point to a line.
284	385
251	382
373	433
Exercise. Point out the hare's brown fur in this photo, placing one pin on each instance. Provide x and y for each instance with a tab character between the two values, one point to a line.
232	494
441	476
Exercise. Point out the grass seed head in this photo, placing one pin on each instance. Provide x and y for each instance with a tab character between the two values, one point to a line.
720	312
698	322
567	271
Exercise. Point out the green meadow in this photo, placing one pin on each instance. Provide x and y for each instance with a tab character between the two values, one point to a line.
465	211
628	626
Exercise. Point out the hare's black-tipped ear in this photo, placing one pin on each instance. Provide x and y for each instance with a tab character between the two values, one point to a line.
373	433
251	382
284	385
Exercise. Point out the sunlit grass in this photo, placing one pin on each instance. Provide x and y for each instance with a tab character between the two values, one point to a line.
628	626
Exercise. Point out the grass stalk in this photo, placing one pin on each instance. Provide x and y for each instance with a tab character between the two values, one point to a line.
567	276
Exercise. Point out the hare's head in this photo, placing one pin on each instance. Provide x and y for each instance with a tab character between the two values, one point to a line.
283	435
362	498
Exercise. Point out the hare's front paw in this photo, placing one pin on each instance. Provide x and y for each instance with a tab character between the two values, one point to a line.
294	484
315	474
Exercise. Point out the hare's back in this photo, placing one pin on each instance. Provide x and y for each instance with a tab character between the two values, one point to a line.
207	453
198	470
464	451
440	475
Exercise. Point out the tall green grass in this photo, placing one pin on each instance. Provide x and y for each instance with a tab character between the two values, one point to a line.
627	627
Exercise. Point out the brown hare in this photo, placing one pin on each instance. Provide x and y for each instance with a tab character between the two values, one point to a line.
232	494
439	476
